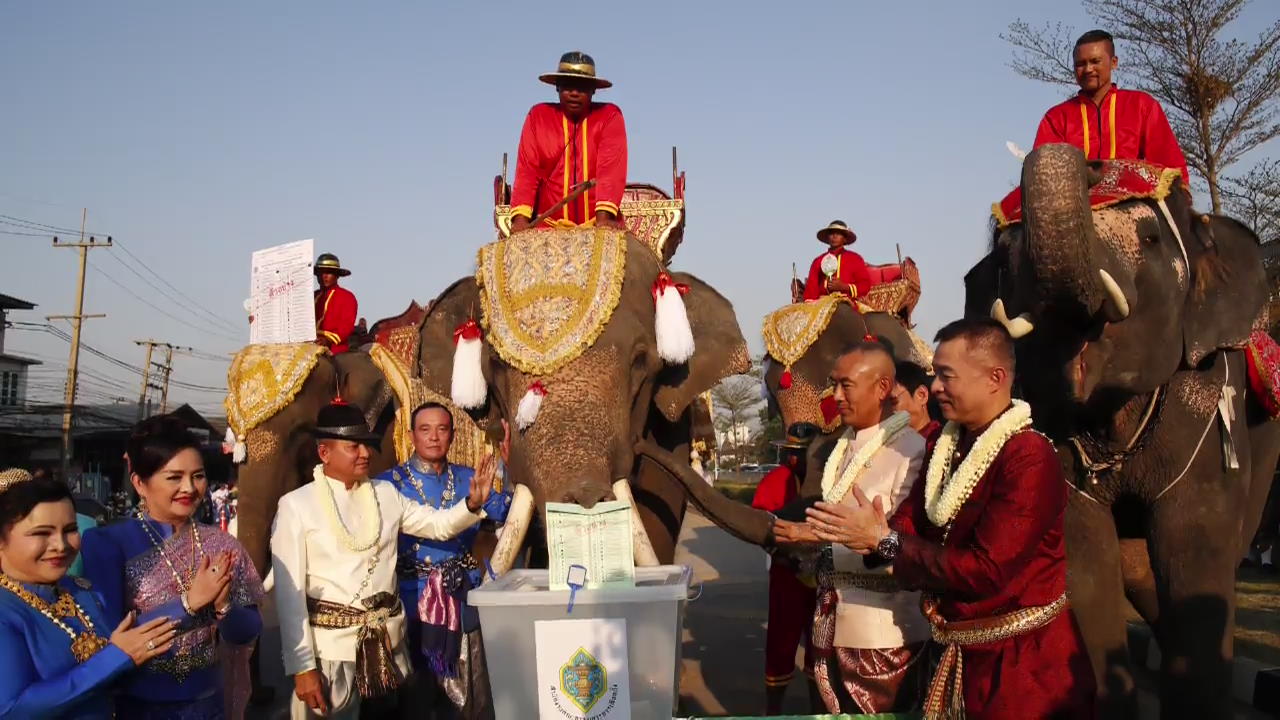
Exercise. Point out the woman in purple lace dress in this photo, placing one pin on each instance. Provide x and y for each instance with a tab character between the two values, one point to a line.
163	563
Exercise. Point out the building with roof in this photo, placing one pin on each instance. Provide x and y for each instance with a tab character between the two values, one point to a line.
13	368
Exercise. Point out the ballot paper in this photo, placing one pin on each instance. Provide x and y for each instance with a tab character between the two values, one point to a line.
597	538
281	300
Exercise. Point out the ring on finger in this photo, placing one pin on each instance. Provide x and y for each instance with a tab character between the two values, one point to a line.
151	646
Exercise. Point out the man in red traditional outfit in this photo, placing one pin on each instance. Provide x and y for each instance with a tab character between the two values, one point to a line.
790	598
567	143
982	535
838	270
1107	122
911	395
335	306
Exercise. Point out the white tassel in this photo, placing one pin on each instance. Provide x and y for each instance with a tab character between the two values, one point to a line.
530	405
468	389
671	322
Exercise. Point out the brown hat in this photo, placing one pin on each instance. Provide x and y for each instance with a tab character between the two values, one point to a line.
837	226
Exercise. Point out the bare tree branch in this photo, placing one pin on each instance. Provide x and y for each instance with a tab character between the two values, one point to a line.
1042	54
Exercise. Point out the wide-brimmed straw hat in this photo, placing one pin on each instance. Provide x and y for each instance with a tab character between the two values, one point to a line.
343	421
838	226
329	263
576	65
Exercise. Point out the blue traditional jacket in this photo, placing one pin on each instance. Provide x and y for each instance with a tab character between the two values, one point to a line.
39	677
125	566
417	552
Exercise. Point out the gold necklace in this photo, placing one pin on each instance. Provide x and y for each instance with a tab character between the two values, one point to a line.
83	645
154	537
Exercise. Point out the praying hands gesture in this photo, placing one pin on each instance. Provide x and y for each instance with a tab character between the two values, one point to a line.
212	581
859	528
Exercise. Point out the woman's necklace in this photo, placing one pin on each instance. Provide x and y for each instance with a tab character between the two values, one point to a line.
83	645
446	495
196	543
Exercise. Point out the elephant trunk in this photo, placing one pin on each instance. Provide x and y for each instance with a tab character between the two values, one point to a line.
742	521
1059	228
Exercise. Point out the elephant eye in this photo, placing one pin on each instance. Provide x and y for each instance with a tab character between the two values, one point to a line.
1150	238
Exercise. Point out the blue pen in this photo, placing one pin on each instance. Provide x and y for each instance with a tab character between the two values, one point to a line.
576	580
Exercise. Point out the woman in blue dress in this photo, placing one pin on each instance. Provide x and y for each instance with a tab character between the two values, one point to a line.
164	563
58	654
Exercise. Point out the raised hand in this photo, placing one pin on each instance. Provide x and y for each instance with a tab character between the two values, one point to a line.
482	483
212	577
144	642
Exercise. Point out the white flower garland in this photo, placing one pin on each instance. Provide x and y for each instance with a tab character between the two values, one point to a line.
368	507
946	492
833	490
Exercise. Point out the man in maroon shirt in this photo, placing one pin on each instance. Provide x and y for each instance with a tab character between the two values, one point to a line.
982	535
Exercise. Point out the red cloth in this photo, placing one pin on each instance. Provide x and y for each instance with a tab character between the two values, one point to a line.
1140	130
1264	371
791	602
1121	180
851	269
335	317
1005	551
556	154
930	434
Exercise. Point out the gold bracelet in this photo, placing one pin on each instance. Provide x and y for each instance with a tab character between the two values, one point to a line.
186	605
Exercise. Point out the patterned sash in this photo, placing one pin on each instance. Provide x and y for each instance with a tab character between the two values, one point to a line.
376	671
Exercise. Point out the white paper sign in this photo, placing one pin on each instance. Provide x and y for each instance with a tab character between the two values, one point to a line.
598	539
583	672
281	294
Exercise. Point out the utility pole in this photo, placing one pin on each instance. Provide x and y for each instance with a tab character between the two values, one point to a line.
77	320
165	370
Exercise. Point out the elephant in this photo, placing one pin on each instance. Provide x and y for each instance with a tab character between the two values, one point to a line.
282	451
617	391
1129	317
797	404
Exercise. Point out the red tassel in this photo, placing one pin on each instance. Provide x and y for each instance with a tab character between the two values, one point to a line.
468	330
870	338
830	411
784	382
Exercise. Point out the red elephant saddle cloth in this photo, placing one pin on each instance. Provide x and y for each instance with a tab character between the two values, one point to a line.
546	296
263	379
1121	180
1264	371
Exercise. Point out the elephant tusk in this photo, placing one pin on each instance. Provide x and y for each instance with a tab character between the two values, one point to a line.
1115	293
1020	326
511	537
643	549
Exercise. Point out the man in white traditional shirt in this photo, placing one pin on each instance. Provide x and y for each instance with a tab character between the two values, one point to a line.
333	550
868	635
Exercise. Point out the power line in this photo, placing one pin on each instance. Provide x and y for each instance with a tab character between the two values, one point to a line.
155	307
158	276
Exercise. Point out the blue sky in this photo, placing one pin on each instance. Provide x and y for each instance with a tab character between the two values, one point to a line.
198	132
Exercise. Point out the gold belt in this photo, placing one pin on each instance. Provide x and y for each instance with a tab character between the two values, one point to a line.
945	700
873	582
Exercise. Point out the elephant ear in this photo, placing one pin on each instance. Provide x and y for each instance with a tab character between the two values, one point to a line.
458	303
719	349
982	285
1229	287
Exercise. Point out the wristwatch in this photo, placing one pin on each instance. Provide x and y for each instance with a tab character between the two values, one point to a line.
889	545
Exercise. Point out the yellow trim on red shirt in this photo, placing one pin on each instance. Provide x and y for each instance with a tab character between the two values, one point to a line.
607	207
522	211
1112	120
332	336
564	119
586	201
325	310
1084	118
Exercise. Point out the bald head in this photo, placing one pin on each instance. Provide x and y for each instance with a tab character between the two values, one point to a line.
863	380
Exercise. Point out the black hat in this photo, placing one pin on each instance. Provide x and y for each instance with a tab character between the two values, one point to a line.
575	65
799	435
329	263
344	421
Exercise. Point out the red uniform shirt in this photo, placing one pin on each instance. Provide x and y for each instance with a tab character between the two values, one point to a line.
1129	125
1004	551
850	268
777	488
335	317
556	154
